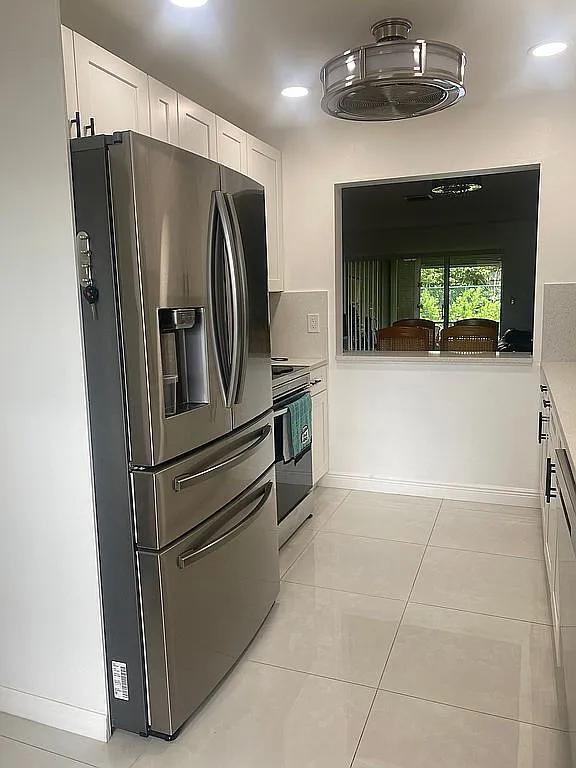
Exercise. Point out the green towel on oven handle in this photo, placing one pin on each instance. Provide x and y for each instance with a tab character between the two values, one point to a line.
300	412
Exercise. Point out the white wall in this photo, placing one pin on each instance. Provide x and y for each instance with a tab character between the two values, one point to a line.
51	650
430	426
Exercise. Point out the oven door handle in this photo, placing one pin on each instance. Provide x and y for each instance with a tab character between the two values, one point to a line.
281	412
262	496
184	481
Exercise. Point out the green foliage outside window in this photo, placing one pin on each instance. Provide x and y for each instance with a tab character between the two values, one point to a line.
474	292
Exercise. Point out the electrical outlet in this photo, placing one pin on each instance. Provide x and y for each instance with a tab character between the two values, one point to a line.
313	323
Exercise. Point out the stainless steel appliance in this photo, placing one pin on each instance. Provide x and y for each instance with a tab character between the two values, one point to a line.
293	477
565	585
172	264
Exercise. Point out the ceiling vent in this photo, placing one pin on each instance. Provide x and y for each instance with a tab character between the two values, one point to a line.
393	78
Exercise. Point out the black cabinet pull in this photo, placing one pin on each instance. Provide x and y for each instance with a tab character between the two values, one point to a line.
550	492
76	121
541	421
543	388
90	127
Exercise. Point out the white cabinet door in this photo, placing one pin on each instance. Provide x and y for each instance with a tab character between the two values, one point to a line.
554	508
111	91
196	128
163	112
264	164
70	79
231	145
319	436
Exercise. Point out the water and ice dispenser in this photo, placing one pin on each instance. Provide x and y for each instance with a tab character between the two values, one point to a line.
184	359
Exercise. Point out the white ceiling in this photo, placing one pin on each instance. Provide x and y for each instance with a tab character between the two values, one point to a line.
234	56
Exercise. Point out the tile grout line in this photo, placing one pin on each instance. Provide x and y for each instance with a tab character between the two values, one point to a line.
489	554
394	638
322	529
483	552
346	591
72	760
313	674
316	532
473	711
370	708
481	613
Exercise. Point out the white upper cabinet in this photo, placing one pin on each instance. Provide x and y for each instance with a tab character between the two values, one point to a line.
70	79
110	91
163	112
232	145
197	128
264	164
119	97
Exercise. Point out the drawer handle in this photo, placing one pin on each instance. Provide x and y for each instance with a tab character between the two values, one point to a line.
541	421
185	481
76	121
263	494
316	381
550	493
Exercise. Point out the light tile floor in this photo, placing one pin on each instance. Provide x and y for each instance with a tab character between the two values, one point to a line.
409	633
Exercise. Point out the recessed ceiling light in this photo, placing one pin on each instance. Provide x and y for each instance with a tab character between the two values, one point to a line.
548	49
295	91
189	3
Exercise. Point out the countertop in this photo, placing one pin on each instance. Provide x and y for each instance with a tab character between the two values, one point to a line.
561	378
310	362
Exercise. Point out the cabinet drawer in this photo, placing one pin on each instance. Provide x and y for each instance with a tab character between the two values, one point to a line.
318	380
204	599
171	501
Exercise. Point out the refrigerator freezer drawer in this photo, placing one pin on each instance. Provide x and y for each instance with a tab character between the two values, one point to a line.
204	599
172	501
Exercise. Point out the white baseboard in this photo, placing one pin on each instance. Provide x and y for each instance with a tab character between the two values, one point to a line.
84	722
516	497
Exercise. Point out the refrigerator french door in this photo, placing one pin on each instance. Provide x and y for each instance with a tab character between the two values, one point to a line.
172	269
246	202
184	205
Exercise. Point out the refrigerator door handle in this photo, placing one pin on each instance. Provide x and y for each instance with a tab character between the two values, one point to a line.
261	496
243	300
229	387
184	481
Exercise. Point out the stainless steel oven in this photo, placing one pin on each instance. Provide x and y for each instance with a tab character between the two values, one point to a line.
293	477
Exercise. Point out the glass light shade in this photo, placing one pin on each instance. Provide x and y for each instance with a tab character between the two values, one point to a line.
393	79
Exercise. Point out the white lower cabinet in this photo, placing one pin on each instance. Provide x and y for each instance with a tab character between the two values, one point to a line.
163	112
231	145
552	510
196	128
550	530
112	94
264	165
319	435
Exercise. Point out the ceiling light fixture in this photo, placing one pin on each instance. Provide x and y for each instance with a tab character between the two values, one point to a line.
189	3
456	188
295	91
548	49
393	78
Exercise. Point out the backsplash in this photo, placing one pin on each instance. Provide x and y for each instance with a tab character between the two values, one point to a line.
289	324
559	323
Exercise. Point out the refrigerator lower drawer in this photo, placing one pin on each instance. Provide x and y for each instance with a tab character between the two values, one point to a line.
173	500
204	599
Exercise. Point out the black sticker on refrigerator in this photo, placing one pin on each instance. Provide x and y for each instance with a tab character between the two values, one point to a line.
120	680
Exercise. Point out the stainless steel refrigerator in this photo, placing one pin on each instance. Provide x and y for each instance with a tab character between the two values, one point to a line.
172	270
